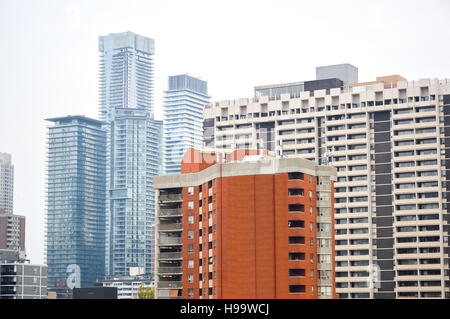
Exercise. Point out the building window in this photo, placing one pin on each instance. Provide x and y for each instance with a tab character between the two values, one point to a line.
190	190
296	272
190	248
296	289
190	263
296	224
190	278
296	208
190	205
190	220
295	175
296	240
190	234
296	256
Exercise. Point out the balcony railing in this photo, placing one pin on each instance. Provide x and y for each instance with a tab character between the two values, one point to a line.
170	241
170	226
170	256
170	284
170	270
170	197
165	212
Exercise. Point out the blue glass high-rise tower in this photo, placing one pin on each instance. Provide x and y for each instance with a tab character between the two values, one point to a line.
183	118
133	150
126	72
76	184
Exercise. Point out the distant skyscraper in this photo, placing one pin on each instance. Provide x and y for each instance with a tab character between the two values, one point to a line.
133	161
76	199
183	118
133	149
126	72
6	183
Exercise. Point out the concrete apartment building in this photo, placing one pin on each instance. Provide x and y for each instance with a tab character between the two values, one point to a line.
390	142
128	286
12	232
21	280
244	224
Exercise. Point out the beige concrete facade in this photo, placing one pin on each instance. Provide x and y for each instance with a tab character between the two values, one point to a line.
338	127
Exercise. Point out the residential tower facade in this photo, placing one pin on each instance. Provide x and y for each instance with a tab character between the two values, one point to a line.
245	224
23	281
134	149
183	118
389	141
126	72
76	185
134	158
12	232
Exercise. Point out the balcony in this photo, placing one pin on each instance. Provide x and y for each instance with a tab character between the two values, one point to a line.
170	227
167	297
170	256
170	270
167	212
170	197
170	241
170	284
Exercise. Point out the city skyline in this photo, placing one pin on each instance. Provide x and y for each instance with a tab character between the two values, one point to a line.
61	77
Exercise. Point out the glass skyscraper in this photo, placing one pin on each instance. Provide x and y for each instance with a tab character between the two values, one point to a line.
133	150
6	183
133	160
126	72
76	184
183	118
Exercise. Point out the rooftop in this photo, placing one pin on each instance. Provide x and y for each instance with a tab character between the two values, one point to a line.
74	119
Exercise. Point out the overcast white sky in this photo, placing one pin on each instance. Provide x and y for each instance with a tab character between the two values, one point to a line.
48	58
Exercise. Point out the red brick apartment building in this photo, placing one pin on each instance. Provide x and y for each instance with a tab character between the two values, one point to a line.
245	225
